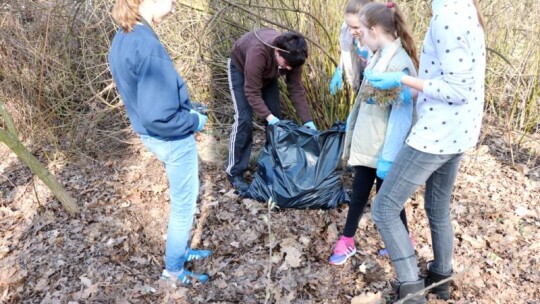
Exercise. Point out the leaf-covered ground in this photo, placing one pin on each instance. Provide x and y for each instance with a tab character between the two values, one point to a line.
113	251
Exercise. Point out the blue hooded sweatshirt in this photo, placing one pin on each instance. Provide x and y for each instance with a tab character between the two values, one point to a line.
155	96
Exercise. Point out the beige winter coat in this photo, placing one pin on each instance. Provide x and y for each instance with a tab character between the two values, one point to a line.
364	140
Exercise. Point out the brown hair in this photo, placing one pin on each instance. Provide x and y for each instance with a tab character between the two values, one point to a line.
126	13
390	18
355	6
479	14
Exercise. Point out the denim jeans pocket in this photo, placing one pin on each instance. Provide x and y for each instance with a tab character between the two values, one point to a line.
160	148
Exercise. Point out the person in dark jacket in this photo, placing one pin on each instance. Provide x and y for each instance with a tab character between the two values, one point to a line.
257	60
159	109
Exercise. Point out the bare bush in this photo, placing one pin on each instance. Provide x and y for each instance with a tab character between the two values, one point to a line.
54	72
55	79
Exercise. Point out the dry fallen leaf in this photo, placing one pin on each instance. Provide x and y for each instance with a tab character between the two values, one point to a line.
477	242
331	233
85	281
368	298
362	268
521	168
292	257
4	250
89	290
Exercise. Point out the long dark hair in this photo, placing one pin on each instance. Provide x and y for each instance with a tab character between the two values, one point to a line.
390	18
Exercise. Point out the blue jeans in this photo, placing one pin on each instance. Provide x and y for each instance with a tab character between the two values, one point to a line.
411	169
181	163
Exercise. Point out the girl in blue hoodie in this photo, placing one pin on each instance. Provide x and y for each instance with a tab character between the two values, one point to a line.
159	109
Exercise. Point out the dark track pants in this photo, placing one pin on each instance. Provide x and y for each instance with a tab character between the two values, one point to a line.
242	130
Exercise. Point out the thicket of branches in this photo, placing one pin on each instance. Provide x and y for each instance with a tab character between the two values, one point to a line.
55	80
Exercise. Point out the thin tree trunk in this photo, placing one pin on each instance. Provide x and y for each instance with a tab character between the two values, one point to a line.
8	120
9	138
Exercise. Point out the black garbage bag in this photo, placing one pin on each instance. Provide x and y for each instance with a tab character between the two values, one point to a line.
299	167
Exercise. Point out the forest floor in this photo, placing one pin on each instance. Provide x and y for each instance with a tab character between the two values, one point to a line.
113	251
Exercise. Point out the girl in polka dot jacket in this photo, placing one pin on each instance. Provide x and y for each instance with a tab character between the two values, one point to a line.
449	109
376	130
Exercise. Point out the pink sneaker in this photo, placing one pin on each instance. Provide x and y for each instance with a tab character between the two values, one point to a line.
343	249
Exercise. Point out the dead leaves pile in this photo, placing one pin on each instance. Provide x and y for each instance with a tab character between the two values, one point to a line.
113	252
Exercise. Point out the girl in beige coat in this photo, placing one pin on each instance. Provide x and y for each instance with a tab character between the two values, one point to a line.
377	125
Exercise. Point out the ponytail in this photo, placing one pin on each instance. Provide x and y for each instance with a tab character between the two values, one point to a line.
126	14
390	18
479	14
403	32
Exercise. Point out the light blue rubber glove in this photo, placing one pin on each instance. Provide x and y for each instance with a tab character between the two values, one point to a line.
202	119
273	121
383	167
337	81
310	125
405	95
384	81
362	52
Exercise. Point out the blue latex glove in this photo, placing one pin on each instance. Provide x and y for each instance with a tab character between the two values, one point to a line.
310	125
202	119
384	81
362	52
383	167
273	121
405	95
337	81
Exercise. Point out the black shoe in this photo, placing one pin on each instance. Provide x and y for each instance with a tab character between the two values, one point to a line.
443	290
239	184
407	288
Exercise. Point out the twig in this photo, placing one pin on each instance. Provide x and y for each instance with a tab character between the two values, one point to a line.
268	295
423	291
35	191
500	55
282	26
204	212
297	11
190	5
43	52
269	45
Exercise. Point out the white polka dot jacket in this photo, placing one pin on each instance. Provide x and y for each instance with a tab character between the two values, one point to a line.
374	130
453	63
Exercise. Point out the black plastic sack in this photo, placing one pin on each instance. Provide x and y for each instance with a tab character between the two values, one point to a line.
299	167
